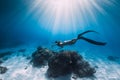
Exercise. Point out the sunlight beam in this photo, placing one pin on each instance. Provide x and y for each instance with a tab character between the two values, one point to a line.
65	16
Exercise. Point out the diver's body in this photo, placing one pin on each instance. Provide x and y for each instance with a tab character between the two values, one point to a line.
80	36
68	42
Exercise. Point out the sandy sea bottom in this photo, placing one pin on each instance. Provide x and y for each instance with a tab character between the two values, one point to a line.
19	68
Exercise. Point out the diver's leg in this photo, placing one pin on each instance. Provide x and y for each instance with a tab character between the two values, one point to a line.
79	35
93	42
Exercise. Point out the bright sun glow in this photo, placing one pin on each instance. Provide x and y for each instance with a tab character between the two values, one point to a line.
68	15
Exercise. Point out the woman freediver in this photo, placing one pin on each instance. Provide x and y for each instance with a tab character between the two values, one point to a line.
80	36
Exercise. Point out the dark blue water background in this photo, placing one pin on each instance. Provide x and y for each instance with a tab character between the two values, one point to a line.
17	30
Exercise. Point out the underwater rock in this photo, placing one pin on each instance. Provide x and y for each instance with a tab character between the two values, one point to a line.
1	61
67	62
28	57
22	50
41	56
3	54
62	63
113	58
3	70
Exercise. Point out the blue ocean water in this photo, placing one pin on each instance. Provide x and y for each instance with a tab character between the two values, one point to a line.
33	23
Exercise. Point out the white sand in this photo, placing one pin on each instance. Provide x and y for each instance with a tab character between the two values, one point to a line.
16	65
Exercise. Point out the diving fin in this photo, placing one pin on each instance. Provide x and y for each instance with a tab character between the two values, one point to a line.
93	42
79	35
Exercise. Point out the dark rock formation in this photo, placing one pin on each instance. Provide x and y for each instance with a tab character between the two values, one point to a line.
3	70
62	63
41	56
68	62
1	61
22	50
3	54
113	58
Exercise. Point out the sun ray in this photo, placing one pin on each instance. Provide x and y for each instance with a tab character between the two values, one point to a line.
65	16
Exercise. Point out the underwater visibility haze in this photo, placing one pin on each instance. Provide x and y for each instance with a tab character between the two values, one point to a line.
25	25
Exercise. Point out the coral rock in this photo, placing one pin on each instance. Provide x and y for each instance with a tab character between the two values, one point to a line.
68	62
41	56
3	70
